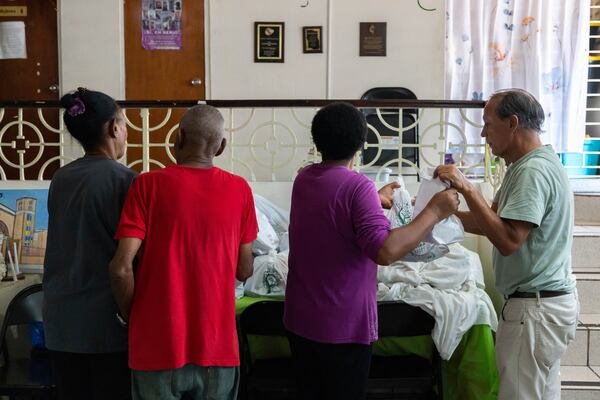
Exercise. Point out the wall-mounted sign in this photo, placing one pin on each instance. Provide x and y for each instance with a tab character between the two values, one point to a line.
312	39
372	39
13	11
268	41
161	24
12	40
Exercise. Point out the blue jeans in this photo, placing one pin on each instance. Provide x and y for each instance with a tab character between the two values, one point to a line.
188	382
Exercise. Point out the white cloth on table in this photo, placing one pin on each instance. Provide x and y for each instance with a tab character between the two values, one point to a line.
450	289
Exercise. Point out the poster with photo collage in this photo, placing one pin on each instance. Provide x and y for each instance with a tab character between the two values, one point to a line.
161	24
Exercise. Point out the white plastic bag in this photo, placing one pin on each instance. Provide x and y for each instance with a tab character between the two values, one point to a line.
267	239
278	220
270	275
447	231
239	289
278	217
401	214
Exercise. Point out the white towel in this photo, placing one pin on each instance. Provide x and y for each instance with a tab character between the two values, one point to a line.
450	289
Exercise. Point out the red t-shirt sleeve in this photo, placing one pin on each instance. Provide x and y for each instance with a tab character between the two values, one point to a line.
249	222
133	216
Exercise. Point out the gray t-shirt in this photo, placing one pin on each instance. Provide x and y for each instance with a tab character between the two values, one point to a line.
84	207
536	189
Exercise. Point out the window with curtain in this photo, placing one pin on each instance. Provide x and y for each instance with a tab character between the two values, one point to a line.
537	45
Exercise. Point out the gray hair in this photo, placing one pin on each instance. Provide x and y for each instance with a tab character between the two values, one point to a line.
523	105
202	123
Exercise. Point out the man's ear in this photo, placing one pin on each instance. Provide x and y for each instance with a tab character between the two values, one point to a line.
180	140
113	129
222	147
513	121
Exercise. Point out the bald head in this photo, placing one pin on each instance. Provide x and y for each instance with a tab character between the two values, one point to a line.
200	136
203	126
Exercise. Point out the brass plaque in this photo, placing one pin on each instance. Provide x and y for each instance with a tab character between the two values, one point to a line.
372	39
13	11
269	41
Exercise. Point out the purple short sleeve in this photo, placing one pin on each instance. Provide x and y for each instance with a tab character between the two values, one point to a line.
370	224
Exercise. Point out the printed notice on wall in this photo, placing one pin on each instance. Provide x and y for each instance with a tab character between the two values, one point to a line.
161	24
12	40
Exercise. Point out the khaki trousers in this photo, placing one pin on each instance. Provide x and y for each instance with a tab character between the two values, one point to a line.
532	336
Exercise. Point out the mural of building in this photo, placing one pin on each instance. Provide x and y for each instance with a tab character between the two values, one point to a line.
25	220
19	226
7	220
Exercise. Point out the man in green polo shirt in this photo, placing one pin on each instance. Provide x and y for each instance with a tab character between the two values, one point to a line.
530	224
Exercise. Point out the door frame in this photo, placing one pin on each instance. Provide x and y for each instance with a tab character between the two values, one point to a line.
120	24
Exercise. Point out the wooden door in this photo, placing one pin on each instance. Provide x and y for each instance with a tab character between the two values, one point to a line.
163	74
32	78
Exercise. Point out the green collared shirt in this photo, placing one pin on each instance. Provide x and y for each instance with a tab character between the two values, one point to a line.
536	189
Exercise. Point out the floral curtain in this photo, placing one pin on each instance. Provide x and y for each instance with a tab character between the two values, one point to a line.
537	45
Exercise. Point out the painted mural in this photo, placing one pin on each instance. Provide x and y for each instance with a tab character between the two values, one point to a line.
24	223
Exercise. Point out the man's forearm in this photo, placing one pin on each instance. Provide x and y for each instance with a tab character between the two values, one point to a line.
469	222
490	224
122	285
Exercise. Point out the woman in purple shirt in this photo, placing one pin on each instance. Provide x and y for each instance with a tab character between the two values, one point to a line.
338	235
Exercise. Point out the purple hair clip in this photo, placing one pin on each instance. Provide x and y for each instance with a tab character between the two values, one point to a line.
77	108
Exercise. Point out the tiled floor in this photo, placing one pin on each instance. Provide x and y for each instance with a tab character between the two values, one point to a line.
585	185
590	320
580	394
585	249
578	374
586	230
580	383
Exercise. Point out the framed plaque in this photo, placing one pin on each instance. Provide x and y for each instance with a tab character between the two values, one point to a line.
372	39
312	39
268	41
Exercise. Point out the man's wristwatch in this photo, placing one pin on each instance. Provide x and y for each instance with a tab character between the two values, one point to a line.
122	321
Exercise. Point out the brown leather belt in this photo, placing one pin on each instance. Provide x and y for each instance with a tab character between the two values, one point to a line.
543	293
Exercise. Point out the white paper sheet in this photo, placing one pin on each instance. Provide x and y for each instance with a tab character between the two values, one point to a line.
12	40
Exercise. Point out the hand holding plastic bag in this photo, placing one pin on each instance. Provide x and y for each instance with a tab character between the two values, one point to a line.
447	231
435	244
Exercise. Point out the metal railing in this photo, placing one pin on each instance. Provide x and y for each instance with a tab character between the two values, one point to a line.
268	140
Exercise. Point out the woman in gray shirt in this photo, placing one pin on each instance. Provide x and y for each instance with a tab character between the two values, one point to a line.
87	344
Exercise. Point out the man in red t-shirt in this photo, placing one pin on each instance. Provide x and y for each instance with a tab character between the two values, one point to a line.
196	223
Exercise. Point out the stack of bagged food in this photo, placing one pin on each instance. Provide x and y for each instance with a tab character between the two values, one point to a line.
270	250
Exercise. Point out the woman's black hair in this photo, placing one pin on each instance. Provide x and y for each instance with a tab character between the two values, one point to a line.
86	113
339	130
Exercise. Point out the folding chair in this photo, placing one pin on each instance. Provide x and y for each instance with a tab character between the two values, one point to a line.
391	117
24	375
